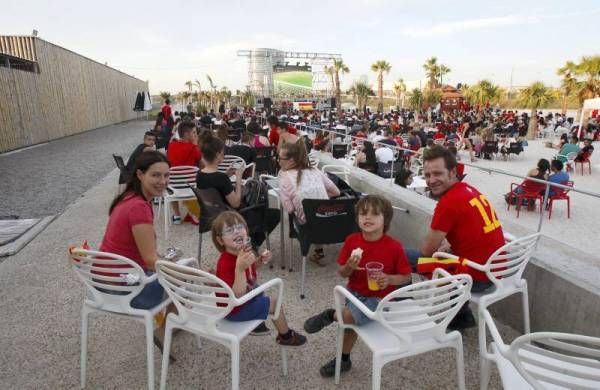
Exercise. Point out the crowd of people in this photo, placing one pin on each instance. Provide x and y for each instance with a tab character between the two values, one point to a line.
464	221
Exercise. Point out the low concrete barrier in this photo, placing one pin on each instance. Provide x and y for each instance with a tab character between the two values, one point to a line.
563	282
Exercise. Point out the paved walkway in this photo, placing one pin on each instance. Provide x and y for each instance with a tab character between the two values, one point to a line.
45	179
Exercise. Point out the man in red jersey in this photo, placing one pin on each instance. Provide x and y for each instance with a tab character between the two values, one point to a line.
464	218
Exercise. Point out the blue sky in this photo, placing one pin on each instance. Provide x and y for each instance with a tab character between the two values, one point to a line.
170	42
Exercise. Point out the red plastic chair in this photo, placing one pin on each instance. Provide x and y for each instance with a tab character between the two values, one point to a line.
560	194
528	190
585	158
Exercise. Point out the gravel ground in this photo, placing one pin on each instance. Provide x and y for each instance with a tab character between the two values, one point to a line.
44	180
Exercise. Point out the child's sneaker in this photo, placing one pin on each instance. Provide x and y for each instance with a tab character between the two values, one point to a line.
328	370
295	339
176	220
315	323
261	330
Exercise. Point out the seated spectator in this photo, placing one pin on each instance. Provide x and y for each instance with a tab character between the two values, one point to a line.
258	220
244	149
285	136
389	139
237	266
384	154
403	178
414	142
148	145
586	151
273	123
571	147
182	152
321	140
299	181
366	158
374	214
558	176
259	135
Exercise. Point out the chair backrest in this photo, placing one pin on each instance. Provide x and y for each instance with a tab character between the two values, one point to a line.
183	176
229	160
549	359
561	192
119	161
211	205
506	265
571	156
439	141
425	307
515	147
338	170
112	280
339	150
198	295
329	221
389	170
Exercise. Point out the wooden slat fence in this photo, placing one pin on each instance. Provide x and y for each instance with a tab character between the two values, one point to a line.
69	95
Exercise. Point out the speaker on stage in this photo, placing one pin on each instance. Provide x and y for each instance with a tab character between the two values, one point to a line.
268	103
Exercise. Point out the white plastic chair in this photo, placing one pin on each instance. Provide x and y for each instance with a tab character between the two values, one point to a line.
105	275
439	141
504	269
181	178
570	157
229	160
408	322
543	360
340	171
197	295
314	159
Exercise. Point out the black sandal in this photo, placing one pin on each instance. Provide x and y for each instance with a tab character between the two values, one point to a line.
317	256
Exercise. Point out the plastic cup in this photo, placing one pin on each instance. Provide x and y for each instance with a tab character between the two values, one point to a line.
374	269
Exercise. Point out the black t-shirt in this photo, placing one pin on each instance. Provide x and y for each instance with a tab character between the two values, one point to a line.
217	180
243	151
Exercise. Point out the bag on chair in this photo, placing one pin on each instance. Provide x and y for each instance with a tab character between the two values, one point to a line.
255	193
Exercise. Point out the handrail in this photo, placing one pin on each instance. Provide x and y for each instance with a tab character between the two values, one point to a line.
488	170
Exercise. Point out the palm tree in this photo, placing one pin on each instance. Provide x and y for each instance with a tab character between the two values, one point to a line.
442	71
399	90
415	99
330	71
380	67
197	85
189	85
568	82
361	92
339	67
483	92
247	99
165	95
431	71
589	68
535	96
214	91
185	95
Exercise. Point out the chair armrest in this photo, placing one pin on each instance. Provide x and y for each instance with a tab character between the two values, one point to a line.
477	266
440	273
149	279
444	255
189	261
489	322
277	283
509	237
340	292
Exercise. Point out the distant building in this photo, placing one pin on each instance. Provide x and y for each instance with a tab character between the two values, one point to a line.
48	92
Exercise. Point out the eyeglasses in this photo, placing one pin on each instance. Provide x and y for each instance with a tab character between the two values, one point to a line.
230	230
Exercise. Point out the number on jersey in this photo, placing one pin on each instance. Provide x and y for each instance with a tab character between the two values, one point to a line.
487	212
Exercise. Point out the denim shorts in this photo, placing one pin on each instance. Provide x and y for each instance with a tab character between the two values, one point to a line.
255	309
150	296
359	317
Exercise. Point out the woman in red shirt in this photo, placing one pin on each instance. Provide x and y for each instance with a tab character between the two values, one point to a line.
130	230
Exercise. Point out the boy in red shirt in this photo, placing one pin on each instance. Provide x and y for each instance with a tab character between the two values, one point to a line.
237	267
185	151
273	131
374	214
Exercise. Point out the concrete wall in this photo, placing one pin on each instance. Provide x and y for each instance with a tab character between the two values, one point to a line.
564	283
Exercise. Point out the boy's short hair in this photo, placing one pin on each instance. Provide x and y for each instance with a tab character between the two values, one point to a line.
226	218
150	134
378	205
185	127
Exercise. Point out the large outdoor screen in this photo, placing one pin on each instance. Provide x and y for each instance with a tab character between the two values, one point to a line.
292	78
